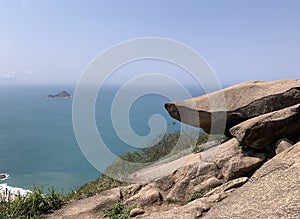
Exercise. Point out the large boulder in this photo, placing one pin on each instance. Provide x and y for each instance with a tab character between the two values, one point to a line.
209	169
272	192
265	130
197	172
147	196
242	102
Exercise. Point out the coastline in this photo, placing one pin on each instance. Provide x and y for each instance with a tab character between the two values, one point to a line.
9	193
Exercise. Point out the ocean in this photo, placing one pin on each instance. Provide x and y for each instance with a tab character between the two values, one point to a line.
37	142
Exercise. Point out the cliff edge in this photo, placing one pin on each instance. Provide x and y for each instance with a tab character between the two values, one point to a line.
255	173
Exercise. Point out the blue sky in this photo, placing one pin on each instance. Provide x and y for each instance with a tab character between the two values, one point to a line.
52	41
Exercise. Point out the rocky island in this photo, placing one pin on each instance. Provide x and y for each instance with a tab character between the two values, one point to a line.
4	176
63	94
254	173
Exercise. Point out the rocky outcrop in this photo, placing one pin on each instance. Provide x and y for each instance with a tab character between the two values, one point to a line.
262	131
272	192
200	206
236	179
4	176
260	120
242	102
147	196
201	172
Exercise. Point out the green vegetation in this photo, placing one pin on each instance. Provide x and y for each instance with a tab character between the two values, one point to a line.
96	186
172	201
170	145
118	211
196	195
198	149
202	138
242	146
35	205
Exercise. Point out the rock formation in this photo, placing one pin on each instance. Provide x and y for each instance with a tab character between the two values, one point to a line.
263	131
254	174
216	171
272	192
242	102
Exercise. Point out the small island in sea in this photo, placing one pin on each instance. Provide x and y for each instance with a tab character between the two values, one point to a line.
63	94
4	176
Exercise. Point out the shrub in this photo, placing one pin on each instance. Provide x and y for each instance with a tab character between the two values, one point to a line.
91	188
36	204
33	205
197	194
118	211
198	149
172	201
146	156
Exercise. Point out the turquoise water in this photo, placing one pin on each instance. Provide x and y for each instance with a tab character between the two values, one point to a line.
37	142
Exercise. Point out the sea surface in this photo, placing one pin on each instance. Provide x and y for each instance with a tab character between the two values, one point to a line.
37	141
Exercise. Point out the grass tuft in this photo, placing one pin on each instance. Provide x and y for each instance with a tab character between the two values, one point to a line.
96	186
172	144
118	211
172	201
198	149
196	195
34	205
37	204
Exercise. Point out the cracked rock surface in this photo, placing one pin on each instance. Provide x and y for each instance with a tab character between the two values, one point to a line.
272	192
242	102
